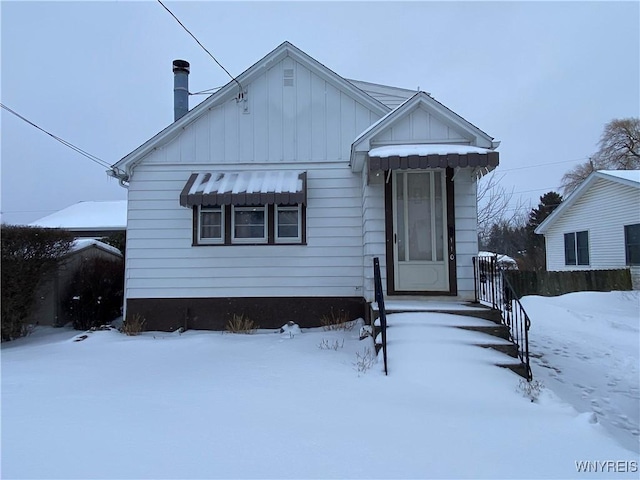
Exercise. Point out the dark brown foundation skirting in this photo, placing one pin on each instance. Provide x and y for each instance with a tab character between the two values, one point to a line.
169	314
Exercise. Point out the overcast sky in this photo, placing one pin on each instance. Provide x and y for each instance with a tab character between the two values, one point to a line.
541	77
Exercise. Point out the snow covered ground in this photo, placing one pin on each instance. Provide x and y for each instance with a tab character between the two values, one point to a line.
585	348
291	405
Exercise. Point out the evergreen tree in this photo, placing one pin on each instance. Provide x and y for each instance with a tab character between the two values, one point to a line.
535	258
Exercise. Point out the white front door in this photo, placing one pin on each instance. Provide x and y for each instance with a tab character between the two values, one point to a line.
419	226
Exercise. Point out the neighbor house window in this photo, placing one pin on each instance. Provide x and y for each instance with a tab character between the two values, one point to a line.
288	224
576	248
249	224
632	244
210	225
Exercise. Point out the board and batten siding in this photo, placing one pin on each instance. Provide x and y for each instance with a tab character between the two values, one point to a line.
603	211
419	126
309	121
162	263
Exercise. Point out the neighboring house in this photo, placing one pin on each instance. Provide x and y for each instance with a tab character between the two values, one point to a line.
597	226
52	291
272	196
88	219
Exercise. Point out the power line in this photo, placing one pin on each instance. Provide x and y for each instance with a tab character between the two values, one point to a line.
198	42
93	158
543	164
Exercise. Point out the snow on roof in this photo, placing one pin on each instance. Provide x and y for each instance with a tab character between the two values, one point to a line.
248	182
631	175
82	243
424	149
89	215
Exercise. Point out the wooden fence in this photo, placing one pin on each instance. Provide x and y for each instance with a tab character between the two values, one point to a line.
550	284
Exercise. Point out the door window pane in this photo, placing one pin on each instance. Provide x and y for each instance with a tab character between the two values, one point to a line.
438	228
399	213
419	216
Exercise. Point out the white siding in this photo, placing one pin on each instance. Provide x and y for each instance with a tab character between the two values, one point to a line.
374	236
603	211
162	263
466	215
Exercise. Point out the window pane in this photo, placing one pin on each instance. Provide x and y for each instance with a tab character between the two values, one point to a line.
569	248
211	224
582	239
632	243
249	223
399	215
287	222
439	211
419	216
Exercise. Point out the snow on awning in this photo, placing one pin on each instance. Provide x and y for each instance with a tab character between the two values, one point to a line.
395	157
281	187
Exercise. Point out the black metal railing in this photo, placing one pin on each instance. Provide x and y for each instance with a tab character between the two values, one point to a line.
493	289
379	297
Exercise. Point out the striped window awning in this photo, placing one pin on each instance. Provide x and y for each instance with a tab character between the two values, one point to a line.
397	157
210	189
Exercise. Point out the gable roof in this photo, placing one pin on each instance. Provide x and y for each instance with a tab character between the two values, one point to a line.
361	145
390	96
124	166
630	178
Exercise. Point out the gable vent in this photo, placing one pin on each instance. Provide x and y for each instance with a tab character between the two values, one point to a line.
288	77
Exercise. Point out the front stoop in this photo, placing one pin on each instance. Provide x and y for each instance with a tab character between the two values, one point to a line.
468	309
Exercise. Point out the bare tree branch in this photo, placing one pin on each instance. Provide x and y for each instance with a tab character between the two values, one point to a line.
619	149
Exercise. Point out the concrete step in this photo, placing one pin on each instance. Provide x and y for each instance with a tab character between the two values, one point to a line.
517	368
510	349
500	331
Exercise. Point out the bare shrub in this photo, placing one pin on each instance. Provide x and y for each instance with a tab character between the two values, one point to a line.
133	325
530	389
364	360
241	324
326	345
337	321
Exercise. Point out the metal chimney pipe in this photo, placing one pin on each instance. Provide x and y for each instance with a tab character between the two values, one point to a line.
180	88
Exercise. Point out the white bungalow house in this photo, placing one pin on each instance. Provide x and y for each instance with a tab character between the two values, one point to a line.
272	197
597	226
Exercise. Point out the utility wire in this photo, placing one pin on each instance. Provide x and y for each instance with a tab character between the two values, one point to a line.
543	164
198	42
93	158
208	91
